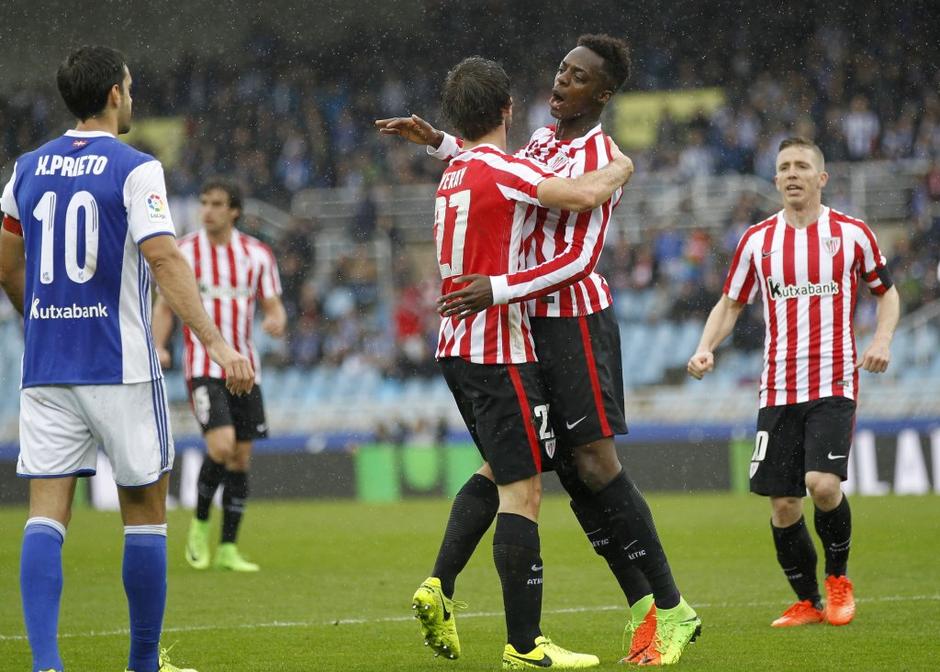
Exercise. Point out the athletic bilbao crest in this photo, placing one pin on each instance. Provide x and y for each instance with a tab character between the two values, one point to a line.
832	245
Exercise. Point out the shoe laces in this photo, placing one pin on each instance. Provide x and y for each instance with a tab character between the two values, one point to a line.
451	604
838	589
165	655
800	607
631	631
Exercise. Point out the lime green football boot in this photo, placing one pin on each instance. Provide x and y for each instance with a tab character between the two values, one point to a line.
435	613
166	665
227	557
197	544
547	654
676	628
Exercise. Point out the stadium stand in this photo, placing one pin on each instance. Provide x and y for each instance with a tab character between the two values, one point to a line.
348	212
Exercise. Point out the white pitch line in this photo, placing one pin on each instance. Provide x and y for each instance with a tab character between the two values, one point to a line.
472	614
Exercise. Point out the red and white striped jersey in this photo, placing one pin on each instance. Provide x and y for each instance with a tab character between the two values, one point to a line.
808	279
229	278
563	248
482	203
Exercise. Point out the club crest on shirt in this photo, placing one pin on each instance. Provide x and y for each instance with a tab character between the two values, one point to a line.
156	208
832	245
558	162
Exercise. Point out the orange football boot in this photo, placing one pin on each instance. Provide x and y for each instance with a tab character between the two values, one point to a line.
840	602
803	612
642	637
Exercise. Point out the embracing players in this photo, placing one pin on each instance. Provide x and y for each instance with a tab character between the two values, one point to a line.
577	340
489	359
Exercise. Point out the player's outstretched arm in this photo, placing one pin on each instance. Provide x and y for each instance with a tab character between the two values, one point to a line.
275	317
178	286
718	327
162	328
413	128
13	268
877	355
590	190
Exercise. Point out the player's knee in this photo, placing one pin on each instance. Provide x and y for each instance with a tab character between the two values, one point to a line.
597	464
786	511
825	489
220	444
240	458
522	497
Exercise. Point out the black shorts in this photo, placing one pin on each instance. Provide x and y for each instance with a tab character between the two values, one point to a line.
504	407
214	406
797	438
583	372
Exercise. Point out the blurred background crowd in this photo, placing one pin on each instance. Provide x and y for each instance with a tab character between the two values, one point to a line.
285	118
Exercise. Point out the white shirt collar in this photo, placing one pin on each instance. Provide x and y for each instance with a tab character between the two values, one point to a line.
87	134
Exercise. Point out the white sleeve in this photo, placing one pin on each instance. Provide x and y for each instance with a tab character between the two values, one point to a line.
145	200
448	149
7	201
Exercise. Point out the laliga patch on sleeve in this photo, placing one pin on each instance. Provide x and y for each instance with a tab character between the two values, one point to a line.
157	211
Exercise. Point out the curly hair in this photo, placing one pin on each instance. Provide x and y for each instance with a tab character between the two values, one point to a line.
616	55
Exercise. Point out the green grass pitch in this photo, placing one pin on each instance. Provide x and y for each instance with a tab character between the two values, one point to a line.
337	578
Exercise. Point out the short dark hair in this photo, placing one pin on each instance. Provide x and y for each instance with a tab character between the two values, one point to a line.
230	187
475	94
798	141
616	55
86	76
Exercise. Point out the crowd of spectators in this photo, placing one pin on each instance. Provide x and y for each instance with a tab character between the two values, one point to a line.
284	118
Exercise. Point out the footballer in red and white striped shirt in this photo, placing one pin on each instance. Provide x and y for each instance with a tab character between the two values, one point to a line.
232	270
479	218
807	262
231	277
808	280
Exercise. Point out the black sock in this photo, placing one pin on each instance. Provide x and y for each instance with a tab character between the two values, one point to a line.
630	577
797	557
471	515
631	523
835	529
519	565
234	497
210	475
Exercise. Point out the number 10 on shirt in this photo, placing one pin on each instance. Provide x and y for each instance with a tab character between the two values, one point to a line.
450	231
45	213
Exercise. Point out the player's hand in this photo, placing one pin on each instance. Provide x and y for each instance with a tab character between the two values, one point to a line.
473	298
274	325
876	358
413	128
239	374
166	359
701	363
617	155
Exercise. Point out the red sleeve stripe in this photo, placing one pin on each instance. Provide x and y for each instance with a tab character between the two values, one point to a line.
12	225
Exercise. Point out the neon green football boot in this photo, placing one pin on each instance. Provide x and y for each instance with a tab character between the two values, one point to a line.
676	628
166	665
435	613
228	557
547	654
197	544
